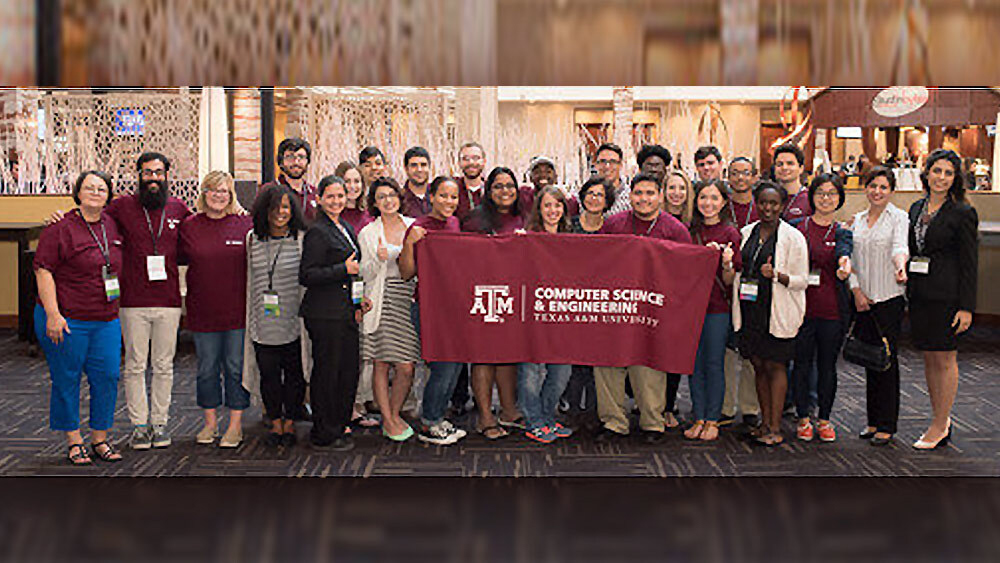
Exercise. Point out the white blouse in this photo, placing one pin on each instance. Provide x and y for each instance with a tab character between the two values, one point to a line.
874	249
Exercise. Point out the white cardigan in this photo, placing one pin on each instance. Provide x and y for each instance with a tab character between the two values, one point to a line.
788	304
373	270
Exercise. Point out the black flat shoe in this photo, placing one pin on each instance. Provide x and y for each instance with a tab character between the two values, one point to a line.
652	437
289	439
865	434
606	436
273	439
878	441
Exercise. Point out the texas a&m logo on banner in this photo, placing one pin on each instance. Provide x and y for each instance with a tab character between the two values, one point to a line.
492	301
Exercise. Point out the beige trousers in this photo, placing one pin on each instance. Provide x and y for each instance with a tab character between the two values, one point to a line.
650	388
741	386
150	335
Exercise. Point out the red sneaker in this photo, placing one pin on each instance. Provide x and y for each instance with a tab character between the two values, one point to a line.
805	430
826	431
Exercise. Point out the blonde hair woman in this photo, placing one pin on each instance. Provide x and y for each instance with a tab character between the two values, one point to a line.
678	198
213	245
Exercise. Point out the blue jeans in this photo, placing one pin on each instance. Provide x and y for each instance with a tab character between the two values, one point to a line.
708	382
220	353
818	343
94	347
538	391
440	383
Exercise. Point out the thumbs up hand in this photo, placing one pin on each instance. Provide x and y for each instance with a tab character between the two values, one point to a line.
727	254
767	270
381	251
352	264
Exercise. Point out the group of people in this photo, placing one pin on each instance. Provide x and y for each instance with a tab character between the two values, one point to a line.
315	289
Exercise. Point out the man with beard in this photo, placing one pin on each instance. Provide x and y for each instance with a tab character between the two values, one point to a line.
294	156
654	160
149	222
417	162
472	161
541	174
708	163
372	163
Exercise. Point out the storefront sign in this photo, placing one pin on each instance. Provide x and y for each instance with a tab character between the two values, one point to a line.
899	100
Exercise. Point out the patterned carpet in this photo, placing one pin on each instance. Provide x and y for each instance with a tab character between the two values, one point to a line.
28	447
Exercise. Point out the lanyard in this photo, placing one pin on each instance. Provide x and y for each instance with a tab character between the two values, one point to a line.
793	201
760	245
156	237
106	249
732	210
649	230
343	231
274	262
825	236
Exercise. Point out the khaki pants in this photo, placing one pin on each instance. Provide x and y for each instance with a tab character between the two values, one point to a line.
741	385
150	334
650	387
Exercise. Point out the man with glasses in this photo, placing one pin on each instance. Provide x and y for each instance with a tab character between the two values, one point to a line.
609	166
294	156
417	163
149	222
741	387
472	162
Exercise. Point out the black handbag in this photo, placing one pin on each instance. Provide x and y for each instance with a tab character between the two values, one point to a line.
877	357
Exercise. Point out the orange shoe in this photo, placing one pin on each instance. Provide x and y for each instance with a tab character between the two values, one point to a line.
805	430
826	431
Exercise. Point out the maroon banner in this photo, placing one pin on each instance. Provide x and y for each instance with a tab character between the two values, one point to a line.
603	300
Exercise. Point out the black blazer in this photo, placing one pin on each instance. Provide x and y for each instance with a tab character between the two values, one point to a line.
323	271
952	244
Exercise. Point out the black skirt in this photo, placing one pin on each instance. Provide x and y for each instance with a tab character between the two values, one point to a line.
764	345
930	325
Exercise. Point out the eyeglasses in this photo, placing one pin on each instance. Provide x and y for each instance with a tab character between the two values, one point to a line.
505	187
153	173
738	173
829	195
296	157
607	162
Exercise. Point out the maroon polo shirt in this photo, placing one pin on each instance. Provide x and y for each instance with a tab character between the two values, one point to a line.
429	223
718	300
215	252
743	213
357	218
467	199
68	250
821	300
527	202
507	223
412	205
308	198
798	205
664	227
137	237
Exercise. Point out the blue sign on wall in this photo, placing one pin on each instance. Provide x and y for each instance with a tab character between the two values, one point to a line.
129	122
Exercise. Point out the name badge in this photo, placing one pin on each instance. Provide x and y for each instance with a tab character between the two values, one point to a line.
920	265
156	268
111	288
271	306
357	291
814	277
748	290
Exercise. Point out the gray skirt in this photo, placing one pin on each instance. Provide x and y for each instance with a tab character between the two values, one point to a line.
394	340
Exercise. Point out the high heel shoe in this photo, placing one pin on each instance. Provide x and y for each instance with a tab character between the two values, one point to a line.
923	444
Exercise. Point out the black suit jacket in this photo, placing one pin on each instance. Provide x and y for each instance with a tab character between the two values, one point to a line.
323	271
952	244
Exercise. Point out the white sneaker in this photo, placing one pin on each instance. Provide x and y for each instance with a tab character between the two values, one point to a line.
443	434
161	438
207	435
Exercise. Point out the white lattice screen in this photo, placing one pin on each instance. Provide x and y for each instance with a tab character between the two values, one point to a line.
339	125
105	132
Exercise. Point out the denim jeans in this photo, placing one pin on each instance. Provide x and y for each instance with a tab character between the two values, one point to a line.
539	387
440	383
708	382
220	353
93	347
818	341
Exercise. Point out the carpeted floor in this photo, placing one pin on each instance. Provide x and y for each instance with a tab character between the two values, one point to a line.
28	447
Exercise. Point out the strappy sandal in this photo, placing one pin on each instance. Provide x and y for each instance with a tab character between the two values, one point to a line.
78	455
108	453
706	431
695	430
494	432
517	423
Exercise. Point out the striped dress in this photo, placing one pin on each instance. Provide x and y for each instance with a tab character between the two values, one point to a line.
284	254
394	340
